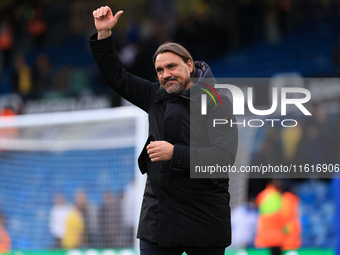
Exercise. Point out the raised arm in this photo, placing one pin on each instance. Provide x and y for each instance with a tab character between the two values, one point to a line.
136	90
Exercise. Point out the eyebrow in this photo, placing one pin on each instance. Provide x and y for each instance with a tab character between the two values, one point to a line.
168	65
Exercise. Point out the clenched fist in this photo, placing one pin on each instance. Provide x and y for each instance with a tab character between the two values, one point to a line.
160	151
105	21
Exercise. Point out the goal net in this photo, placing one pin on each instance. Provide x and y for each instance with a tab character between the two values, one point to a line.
72	174
53	165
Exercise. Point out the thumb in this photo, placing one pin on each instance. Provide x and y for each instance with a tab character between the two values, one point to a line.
117	15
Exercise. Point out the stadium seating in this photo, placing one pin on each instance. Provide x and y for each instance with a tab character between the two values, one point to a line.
307	51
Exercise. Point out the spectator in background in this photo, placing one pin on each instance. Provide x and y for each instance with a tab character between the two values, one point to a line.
74	227
129	213
5	240
89	214
270	227
58	216
61	83
22	77
315	143
6	41
7	111
279	225
336	58
42	75
290	211
265	156
272	30
36	25
274	140
333	147
290	138
284	12
78	81
243	224
145	46
110	221
10	132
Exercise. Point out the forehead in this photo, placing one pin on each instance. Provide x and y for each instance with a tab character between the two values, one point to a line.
165	58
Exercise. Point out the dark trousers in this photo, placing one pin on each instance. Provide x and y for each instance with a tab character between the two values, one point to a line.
275	251
147	248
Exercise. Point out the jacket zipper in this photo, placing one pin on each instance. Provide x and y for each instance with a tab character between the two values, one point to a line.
188	98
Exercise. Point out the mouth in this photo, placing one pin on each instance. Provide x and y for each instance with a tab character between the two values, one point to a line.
170	83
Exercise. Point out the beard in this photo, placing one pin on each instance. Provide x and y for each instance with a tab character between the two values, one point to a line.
173	86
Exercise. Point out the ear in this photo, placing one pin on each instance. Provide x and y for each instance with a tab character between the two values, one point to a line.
190	65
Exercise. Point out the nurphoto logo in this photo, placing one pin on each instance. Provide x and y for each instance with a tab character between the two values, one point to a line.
239	104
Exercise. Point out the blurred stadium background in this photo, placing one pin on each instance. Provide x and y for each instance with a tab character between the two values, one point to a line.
46	67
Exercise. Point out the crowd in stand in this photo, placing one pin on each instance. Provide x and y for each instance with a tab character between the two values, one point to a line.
315	140
206	28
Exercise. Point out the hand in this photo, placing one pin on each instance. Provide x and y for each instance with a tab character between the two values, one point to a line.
160	151
105	21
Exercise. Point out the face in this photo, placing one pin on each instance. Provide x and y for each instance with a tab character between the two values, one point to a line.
59	199
173	73
108	198
80	199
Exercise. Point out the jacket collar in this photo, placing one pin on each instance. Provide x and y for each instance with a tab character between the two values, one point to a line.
161	94
202	74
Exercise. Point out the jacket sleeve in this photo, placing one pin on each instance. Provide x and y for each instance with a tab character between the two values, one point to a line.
136	90
220	146
180	158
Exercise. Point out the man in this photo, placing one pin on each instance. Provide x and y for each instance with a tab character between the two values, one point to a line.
5	240
129	201
89	213
178	213
110	225
243	222
270	224
74	225
293	226
58	216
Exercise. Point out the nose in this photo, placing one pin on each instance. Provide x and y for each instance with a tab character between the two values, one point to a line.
166	73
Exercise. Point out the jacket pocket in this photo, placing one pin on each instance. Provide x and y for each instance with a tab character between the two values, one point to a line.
221	182
144	156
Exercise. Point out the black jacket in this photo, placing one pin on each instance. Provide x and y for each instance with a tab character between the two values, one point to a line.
177	210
